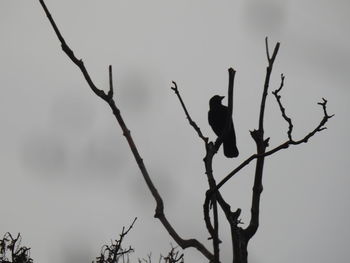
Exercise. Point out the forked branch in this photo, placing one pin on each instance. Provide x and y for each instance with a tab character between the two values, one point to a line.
211	150
320	127
108	98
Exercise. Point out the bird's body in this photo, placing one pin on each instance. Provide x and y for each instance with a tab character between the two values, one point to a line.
217	117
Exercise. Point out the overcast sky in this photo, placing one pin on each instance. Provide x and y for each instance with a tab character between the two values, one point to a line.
68	180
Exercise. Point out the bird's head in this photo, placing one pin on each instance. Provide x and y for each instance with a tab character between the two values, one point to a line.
216	100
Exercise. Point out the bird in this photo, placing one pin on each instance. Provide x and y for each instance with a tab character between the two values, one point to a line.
217	117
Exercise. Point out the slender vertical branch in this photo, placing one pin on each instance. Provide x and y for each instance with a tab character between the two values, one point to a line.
261	143
211	150
231	79
110	92
267	49
219	140
213	230
266	83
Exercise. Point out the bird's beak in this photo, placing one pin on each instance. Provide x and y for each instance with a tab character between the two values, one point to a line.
221	97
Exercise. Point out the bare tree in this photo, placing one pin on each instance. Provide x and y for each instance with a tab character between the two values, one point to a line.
213	198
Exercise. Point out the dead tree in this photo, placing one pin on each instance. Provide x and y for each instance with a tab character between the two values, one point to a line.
213	197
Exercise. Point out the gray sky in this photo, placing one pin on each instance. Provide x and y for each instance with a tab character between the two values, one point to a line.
69	181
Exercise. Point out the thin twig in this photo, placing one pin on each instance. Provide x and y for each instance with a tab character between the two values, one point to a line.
267	82
283	110
192	123
71	55
267	49
119	242
111	91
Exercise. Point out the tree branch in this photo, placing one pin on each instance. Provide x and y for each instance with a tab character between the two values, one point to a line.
231	73
211	150
283	110
159	213
213	230
110	92
261	144
71	55
118	244
267	82
192	123
320	127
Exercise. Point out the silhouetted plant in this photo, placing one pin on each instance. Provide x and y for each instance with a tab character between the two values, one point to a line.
174	256
11	250
213	200
114	252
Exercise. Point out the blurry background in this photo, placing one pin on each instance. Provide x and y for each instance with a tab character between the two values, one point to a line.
68	179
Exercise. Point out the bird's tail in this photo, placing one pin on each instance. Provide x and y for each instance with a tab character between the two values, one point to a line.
230	147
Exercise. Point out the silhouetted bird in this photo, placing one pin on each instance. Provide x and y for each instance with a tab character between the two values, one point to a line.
217	120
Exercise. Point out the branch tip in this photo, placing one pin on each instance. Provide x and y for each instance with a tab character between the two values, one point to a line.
110	91
175	86
231	70
267	48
